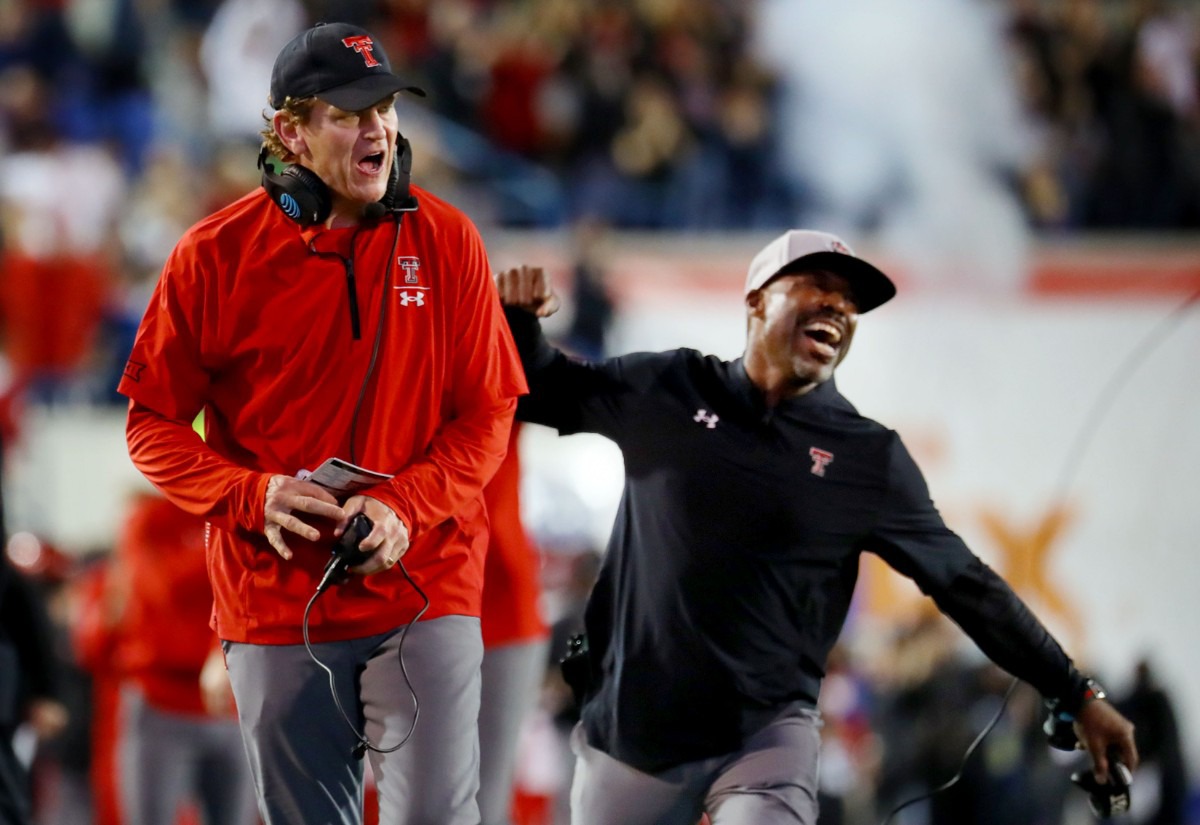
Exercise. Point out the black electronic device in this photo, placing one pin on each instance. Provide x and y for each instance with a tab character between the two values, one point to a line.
346	552
1109	798
577	668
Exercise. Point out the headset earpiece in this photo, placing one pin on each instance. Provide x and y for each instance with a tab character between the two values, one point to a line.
298	191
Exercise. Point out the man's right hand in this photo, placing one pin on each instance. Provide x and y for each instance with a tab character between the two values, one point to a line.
286	495
528	288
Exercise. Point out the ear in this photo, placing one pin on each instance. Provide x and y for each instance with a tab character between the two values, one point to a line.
756	302
289	132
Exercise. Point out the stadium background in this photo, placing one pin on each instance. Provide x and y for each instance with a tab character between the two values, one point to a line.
1029	170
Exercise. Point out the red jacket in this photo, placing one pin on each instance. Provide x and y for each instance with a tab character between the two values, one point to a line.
252	322
165	637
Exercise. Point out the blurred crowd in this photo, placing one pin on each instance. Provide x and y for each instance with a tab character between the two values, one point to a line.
1113	104
124	121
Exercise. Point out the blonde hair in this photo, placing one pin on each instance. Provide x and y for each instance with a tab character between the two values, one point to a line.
298	110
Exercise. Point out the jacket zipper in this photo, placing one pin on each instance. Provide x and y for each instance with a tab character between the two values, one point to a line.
352	293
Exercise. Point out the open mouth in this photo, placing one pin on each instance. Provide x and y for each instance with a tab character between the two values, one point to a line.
372	164
824	337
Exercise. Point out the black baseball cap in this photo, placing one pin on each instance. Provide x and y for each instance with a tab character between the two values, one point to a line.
338	63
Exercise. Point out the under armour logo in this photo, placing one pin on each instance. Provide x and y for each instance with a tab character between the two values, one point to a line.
417	298
821	459
706	418
362	44
411	264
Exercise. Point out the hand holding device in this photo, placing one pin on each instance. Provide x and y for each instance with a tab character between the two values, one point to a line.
1113	796
346	552
1104	799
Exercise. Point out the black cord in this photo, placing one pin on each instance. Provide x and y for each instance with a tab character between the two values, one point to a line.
365	744
1100	406
383	302
962	766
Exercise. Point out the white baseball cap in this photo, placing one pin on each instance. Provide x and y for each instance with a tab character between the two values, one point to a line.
799	249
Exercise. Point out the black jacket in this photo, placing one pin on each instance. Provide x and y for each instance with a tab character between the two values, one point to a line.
735	552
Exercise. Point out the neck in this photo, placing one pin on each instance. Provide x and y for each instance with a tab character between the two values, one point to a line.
343	215
774	383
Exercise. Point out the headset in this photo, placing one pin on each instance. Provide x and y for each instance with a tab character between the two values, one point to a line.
305	198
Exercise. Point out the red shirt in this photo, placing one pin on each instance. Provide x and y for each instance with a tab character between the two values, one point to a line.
164	634
511	578
252	322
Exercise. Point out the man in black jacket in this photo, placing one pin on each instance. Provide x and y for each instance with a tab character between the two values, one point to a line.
751	489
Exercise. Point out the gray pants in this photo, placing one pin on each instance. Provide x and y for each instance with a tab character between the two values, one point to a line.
301	749
772	780
512	677
166	758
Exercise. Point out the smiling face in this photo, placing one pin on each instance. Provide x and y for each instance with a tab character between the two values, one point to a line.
350	151
800	328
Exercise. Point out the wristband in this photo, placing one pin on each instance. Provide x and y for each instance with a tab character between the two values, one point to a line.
1091	692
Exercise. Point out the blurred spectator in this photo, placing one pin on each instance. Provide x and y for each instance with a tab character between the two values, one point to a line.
179	741
591	304
62	770
98	599
59	203
103	88
30	693
1162	786
236	55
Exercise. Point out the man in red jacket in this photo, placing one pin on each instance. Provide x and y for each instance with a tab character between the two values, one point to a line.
336	314
171	748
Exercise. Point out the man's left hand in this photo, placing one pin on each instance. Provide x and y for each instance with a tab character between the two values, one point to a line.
388	539
1105	733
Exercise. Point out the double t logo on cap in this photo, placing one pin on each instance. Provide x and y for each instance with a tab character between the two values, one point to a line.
362	44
